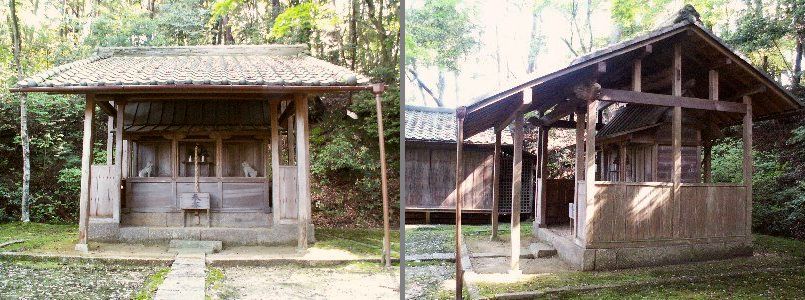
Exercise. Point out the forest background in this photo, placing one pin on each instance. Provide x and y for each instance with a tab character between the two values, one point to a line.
362	35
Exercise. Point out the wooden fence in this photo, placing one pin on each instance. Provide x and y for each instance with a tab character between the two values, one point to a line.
637	214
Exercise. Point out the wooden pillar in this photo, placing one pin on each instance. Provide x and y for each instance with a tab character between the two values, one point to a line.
291	139
517	188
496	186
461	112
676	137
110	140
637	75
378	91
542	171
589	164
302	169
275	160
86	175
120	106
713	86
622	162
748	165
578	170
707	162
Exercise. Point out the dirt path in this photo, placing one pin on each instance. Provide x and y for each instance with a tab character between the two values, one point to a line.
356	281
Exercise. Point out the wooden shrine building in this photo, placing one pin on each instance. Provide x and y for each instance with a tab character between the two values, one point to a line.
430	167
203	142
643	190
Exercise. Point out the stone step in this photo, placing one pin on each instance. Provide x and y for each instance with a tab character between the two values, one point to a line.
541	250
191	246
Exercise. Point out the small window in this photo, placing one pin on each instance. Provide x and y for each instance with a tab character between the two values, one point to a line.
151	158
205	157
243	158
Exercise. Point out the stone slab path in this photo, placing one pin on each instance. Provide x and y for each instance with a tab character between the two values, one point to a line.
186	279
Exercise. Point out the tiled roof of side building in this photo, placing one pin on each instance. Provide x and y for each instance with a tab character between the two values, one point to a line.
270	65
431	124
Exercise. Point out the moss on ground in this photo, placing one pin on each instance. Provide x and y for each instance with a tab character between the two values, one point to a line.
38	236
151	284
363	242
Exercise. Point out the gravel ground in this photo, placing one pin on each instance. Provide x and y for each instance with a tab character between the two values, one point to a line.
356	281
52	280
426	281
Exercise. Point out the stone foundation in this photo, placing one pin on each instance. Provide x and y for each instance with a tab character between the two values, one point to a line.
265	236
631	257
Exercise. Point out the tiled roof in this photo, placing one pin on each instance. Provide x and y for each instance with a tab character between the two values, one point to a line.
270	65
632	117
429	124
195	116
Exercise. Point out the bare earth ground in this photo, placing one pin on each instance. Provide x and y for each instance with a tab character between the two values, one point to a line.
354	281
425	280
51	280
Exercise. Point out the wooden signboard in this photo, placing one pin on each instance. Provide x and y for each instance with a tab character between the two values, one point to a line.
194	201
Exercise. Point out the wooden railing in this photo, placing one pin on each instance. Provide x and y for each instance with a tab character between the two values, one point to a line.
634	214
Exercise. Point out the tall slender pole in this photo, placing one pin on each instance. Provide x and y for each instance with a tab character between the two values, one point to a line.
461	113
517	188
747	164
496	186
302	169
378	91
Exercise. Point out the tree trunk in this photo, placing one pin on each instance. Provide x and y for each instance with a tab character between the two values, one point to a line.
26	160
795	78
275	9
353	34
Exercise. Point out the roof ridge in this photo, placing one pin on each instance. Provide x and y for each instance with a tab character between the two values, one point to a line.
201	50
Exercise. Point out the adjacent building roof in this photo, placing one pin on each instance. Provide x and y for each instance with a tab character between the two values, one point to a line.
633	117
256	65
430	124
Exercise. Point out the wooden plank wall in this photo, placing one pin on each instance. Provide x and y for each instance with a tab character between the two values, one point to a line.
430	179
287	194
104	191
641	214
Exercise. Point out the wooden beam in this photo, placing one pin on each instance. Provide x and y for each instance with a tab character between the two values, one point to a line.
749	92
302	169
527	98
461	113
378	91
748	166
517	188
107	108
579	168
670	101
86	175
560	111
496	186
565	124
275	160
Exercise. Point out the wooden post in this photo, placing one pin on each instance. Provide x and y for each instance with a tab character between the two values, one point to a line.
637	72
589	163
707	162
496	186
517	188
120	106
676	136
578	169
378	91
461	112
86	175
713	86
290	136
748	165
275	161
622	162
110	139
302	169
542	171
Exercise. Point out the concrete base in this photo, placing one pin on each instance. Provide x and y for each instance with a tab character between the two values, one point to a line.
218	219
266	236
620	258
83	248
